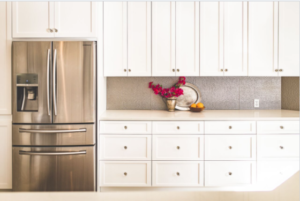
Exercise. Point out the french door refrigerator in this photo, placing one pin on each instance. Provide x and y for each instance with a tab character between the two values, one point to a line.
54	112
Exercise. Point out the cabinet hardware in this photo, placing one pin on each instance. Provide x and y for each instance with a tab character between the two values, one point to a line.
124	70
230	127
280	70
51	30
125	173
129	70
281	127
125	127
226	70
230	173
178	127
230	147
55	30
178	174
178	147
178	70
222	70
281	147
125	147
276	70
173	70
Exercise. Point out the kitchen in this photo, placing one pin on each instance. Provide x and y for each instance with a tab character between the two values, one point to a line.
76	85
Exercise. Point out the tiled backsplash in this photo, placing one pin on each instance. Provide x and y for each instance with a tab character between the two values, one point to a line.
217	93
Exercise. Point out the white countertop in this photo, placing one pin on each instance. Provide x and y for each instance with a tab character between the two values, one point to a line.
213	115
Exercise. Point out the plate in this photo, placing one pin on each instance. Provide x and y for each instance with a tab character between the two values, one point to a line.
191	94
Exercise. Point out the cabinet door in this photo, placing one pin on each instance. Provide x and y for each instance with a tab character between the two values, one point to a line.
210	39
115	38
5	150
75	19
288	39
32	19
5	62
235	38
262	39
163	38
139	38
187	38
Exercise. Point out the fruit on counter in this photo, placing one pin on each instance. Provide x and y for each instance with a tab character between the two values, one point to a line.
194	105
200	105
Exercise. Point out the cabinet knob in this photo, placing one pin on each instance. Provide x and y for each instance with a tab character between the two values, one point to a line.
125	147
178	174
281	147
230	127
173	70
276	70
280	70
51	30
226	70
230	147
55	30
125	173
125	127
129	70
178	147
178	70
125	70
230	173
222	70
178	127
281	127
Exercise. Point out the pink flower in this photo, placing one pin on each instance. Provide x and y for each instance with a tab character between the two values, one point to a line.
150	84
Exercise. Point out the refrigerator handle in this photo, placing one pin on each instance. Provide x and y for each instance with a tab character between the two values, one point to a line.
54	83
48	80
40	153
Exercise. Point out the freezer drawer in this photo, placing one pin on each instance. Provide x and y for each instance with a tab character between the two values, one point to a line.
54	168
53	135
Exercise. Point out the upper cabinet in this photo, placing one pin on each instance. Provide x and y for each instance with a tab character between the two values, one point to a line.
223	39
288	54
53	19
127	38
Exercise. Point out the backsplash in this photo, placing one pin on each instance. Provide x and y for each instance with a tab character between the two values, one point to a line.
217	93
290	93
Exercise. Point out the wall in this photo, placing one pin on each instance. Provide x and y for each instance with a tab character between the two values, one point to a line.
222	93
290	93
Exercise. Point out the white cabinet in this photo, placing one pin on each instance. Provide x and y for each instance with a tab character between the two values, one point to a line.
278	127
75	19
5	150
223	38
177	173
288	53
178	127
53	19
187	38
125	127
263	38
5	61
163	39
230	127
127	38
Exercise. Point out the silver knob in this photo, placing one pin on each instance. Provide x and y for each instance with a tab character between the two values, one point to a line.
178	70
125	173
230	127
230	147
281	147
55	30
230	173
125	147
178	147
178	127
281	127
178	174
125	127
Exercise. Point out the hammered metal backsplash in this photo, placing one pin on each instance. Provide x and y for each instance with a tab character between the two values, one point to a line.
218	93
290	93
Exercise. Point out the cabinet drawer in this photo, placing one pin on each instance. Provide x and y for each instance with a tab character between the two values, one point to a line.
125	127
278	147
125	173
177	173
230	127
178	127
229	173
278	127
177	147
125	147
271	171
230	147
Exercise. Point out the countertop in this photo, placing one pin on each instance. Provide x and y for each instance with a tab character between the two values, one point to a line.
213	115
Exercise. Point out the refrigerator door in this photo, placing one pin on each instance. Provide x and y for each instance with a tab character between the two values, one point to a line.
53	135
31	82
54	168
74	82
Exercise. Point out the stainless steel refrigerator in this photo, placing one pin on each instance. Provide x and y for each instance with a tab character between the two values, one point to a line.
54	112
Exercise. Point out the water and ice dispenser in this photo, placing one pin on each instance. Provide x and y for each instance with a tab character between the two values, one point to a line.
27	92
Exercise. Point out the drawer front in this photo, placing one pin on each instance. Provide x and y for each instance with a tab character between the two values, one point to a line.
229	173
125	173
125	127
230	147
278	127
125	147
178	147
230	127
273	171
177	173
178	127
278	147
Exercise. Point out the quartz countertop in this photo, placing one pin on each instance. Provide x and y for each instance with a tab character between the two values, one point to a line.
213	115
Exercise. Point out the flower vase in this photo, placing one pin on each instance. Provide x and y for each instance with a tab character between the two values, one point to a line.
171	103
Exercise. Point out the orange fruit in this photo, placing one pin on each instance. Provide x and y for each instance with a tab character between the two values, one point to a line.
200	105
193	105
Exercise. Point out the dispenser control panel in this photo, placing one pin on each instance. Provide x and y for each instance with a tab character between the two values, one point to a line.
27	78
